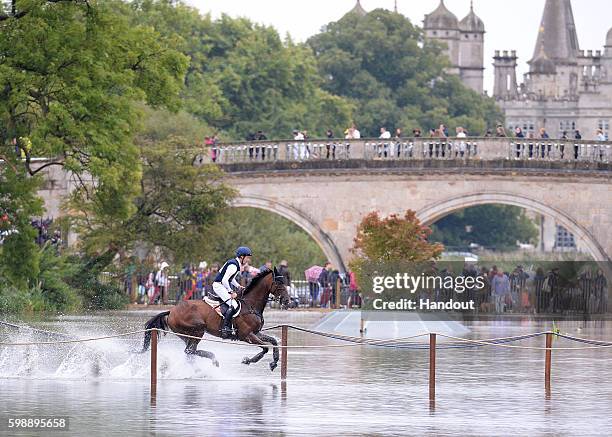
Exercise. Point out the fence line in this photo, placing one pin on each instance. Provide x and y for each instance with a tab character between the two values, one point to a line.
402	343
355	341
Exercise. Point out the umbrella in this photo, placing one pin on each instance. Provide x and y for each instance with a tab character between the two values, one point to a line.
312	273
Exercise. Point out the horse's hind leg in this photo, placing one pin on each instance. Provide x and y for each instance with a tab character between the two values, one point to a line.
191	349
275	354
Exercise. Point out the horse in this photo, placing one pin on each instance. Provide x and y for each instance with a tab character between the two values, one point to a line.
196	317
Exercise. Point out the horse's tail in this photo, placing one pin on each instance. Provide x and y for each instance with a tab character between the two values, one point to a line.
159	321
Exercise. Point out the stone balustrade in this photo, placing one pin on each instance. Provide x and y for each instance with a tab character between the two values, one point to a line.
411	149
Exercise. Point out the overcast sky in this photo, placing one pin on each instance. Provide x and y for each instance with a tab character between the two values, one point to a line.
510	24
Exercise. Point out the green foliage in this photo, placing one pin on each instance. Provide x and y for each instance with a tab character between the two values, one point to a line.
394	238
175	205
100	296
243	77
497	226
270	237
18	203
48	289
395	76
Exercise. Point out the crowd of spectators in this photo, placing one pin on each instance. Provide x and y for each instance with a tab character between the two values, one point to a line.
533	290
193	282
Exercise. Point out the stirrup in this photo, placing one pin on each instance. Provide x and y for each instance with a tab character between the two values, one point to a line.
226	332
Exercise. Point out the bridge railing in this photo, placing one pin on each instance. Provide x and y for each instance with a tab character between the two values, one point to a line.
412	149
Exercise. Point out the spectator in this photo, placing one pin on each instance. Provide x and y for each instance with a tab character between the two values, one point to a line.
442	131
355	134
384	135
267	266
283	270
416	132
600	136
210	278
577	135
518	132
299	150
461	147
500	131
540	294
324	283
500	288
161	283
334	288
331	146
543	134
354	298
398	134
260	136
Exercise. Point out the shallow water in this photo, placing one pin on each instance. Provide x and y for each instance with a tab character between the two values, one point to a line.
360	390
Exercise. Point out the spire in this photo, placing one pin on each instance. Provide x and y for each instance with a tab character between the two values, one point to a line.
471	22
358	9
557	39
395	7
441	18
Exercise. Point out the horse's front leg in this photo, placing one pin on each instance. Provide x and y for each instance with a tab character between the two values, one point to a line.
254	339
274	342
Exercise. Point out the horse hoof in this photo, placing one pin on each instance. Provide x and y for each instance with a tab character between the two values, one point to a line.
246	361
216	363
273	366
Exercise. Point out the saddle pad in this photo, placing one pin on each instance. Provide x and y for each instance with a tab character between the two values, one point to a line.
216	305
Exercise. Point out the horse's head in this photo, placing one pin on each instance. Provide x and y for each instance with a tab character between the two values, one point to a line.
279	289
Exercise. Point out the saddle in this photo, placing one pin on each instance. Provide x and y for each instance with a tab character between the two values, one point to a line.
219	306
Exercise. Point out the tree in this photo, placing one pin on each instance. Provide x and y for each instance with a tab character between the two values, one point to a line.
176	204
495	226
244	77
19	254
270	237
394	238
71	74
384	65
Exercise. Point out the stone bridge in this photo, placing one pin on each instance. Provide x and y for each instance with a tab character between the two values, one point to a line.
570	182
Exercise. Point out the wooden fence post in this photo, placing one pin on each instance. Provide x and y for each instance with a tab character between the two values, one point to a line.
548	360
432	367
153	364
284	330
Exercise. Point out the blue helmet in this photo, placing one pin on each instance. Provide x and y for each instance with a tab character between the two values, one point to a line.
243	251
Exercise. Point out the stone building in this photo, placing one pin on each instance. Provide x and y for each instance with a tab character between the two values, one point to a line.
566	89
464	40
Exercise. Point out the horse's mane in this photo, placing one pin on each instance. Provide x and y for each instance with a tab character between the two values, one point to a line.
262	274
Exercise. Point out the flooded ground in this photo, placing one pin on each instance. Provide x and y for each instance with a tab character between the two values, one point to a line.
359	390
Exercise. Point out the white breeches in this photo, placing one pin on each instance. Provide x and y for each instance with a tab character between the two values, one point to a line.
224	294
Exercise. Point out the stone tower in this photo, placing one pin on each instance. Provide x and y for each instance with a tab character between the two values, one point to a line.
566	89
505	85
464	42
442	25
471	51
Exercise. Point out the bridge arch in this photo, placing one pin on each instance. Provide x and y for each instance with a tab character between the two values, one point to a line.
298	217
436	211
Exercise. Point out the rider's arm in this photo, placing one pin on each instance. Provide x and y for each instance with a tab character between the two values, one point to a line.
235	283
229	271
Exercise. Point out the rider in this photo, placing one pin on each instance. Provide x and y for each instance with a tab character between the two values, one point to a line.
222	288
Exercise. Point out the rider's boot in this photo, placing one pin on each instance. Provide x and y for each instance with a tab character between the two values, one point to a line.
226	331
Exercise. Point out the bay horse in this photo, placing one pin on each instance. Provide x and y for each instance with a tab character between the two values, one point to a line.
196	317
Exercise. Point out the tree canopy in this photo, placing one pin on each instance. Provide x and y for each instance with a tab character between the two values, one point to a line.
491	226
243	77
394	76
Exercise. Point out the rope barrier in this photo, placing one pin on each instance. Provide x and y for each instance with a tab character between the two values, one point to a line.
399	343
78	340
